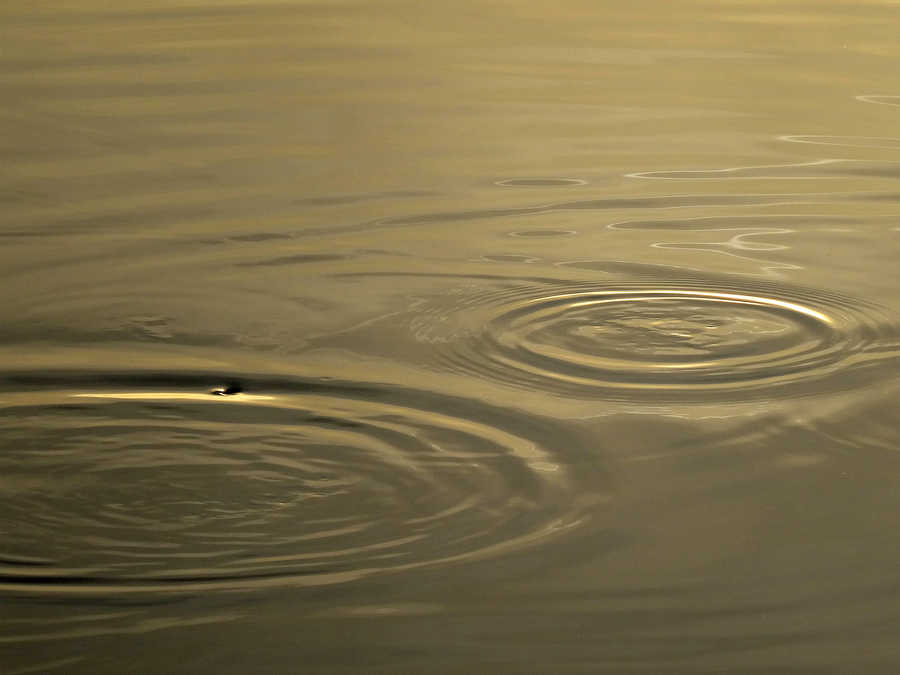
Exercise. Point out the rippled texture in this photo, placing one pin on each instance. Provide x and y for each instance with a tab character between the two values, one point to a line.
322	482
647	340
489	336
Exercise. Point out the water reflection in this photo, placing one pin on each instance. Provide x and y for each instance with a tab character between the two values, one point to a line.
543	233
81	626
691	337
879	99
540	182
602	204
548	361
168	491
844	141
763	223
46	666
770	172
737	245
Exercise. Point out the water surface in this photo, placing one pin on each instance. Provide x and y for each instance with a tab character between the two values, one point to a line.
399	337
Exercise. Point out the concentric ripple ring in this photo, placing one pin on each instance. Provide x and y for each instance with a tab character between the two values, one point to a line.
653	340
120	484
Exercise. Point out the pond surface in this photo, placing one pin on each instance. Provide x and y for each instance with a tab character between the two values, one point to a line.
487	336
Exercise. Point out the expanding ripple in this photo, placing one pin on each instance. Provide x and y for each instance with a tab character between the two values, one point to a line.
659	339
117	484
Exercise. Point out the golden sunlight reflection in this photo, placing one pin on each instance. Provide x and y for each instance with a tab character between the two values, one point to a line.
408	337
782	172
176	396
880	142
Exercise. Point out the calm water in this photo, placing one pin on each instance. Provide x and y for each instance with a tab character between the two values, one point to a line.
486	336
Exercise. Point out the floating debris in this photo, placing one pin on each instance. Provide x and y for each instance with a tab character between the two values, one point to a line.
228	390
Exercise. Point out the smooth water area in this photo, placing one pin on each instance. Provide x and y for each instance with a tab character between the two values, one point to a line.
487	336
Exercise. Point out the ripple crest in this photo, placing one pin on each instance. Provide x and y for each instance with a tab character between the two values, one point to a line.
661	340
162	486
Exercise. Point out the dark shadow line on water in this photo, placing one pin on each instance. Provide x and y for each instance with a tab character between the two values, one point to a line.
295	260
262	236
79	225
116	60
160	599
879	197
195	382
339	200
771	223
626	275
656	202
451	275
121	219
24	562
63	581
184	12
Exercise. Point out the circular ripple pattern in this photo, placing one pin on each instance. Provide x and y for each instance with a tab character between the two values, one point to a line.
651	340
108	490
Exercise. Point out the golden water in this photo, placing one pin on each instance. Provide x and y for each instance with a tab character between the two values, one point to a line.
402	337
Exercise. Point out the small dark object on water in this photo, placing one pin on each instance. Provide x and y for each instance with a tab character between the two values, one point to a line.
229	390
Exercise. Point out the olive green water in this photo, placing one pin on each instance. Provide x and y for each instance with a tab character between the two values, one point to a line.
488	336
